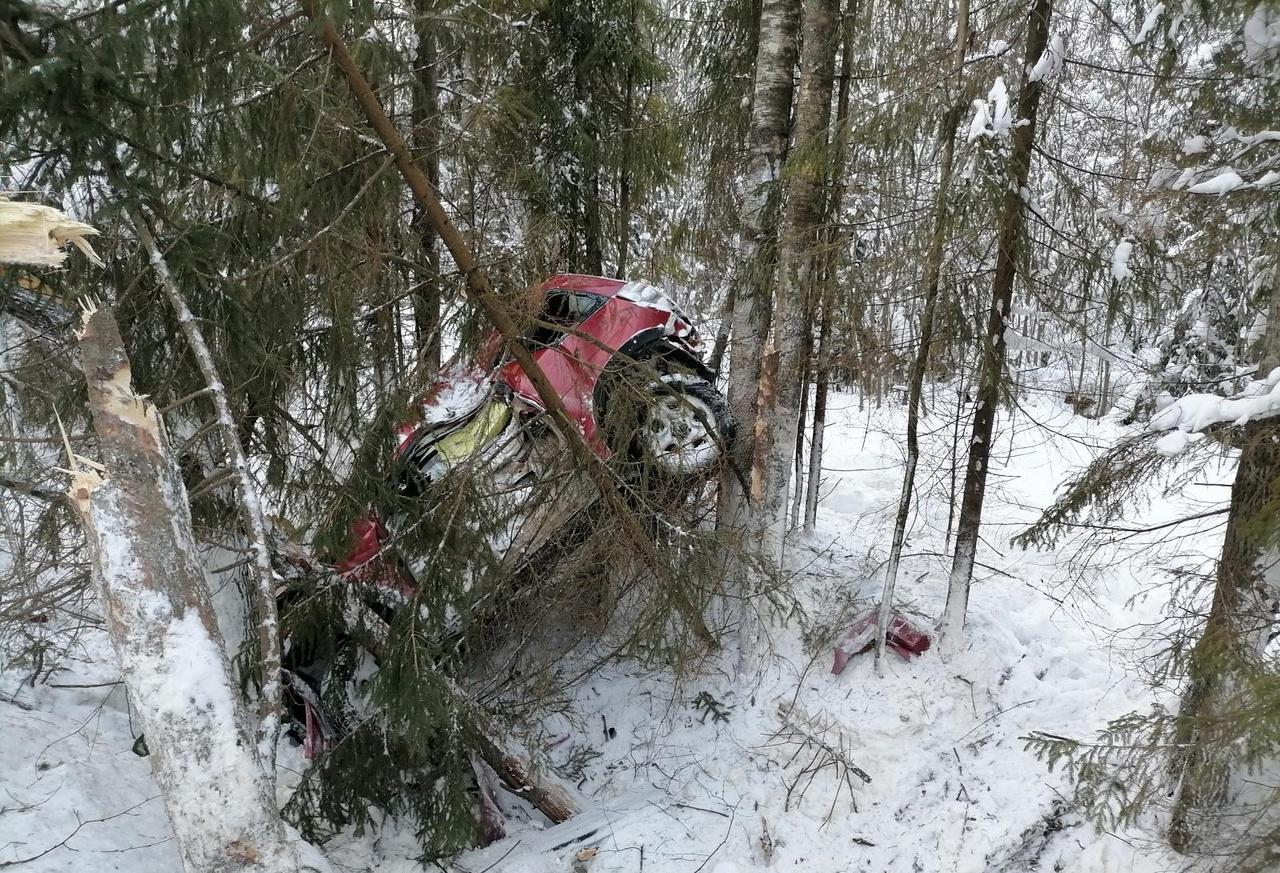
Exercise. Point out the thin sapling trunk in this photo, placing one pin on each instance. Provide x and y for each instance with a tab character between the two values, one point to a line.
920	363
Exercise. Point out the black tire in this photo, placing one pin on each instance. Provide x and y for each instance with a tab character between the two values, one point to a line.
675	427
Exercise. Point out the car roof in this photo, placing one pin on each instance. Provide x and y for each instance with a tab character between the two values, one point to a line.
580	282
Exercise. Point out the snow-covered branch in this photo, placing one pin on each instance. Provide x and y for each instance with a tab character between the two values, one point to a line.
1193	413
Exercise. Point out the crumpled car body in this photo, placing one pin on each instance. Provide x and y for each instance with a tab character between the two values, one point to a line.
585	327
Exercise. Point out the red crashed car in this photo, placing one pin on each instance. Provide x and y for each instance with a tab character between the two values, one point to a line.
594	338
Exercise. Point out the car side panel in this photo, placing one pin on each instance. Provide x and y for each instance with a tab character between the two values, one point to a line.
574	365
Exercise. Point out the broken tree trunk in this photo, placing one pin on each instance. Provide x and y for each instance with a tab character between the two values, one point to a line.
808	167
133	506
776	57
519	778
248	500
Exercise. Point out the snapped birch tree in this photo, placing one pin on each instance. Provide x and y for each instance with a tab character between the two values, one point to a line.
133	506
808	166
249	501
1010	235
155	599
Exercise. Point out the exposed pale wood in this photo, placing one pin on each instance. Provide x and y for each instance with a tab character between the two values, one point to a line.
249	500
158	611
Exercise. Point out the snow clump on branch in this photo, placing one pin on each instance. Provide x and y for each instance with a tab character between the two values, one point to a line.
991	117
1193	413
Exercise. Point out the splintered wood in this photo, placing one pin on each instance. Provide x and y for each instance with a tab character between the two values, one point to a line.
31	233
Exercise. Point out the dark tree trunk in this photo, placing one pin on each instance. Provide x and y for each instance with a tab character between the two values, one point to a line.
722	331
821	387
1241	623
830	271
426	142
1009	242
624	175
797	490
920	363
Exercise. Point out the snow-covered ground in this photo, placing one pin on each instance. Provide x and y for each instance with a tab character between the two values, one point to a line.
1056	641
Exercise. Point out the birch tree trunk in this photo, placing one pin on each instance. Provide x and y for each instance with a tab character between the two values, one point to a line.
749	321
210	772
266	619
920	363
1009	241
777	421
1242	620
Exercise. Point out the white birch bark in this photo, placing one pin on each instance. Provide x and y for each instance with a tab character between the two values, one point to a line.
778	389
778	419
250	502
749	320
133	506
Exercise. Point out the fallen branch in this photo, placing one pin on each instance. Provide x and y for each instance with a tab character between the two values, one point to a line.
516	774
811	736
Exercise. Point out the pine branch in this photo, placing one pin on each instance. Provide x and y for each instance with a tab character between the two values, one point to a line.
29	490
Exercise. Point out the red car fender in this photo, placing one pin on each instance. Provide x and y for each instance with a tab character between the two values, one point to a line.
365	563
573	366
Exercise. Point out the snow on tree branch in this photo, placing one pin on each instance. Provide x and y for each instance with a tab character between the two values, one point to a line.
1050	62
1227	180
1149	24
991	117
1192	413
